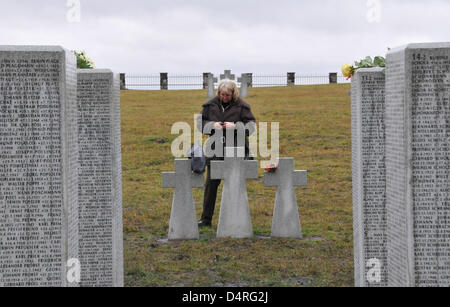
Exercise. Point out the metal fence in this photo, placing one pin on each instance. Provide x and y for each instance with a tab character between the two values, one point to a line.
197	81
174	82
142	82
263	80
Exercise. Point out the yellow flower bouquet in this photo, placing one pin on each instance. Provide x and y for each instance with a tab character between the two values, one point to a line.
349	70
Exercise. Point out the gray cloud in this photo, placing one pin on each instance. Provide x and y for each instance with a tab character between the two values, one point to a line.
246	36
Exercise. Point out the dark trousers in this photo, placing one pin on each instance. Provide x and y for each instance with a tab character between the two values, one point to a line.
209	200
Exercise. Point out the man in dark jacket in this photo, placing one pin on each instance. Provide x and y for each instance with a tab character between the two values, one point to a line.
224	112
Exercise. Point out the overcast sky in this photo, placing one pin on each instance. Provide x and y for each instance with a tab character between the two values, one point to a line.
192	36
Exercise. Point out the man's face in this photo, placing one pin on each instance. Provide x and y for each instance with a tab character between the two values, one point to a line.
225	96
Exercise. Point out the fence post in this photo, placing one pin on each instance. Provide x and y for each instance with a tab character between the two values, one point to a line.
290	78
122	82
249	79
205	79
244	85
211	81
333	77
164	80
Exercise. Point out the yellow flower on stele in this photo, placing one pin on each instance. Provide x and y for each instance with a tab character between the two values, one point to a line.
348	70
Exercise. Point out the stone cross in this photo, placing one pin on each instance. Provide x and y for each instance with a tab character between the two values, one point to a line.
244	79
211	81
183	222
234	218
227	75
286	221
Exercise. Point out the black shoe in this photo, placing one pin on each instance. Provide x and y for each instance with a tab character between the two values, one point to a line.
204	223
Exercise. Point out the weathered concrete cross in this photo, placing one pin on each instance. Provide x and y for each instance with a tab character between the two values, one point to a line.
227	75
286	221
211	81
244	79
234	217
183	220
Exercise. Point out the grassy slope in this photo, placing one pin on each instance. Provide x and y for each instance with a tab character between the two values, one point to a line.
314	129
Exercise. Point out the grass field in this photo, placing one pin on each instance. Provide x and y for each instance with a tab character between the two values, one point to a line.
314	129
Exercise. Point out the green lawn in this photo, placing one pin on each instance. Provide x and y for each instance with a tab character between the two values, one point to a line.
314	129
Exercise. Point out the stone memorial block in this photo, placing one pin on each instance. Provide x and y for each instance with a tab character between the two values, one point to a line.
418	165
211	81
38	170
369	176
244	85
234	217
100	178
227	75
183	220
286	220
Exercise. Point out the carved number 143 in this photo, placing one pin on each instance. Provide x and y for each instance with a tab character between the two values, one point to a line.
419	57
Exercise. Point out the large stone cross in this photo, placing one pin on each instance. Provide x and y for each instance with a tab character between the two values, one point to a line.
183	220
227	75
211	81
244	80
234	217
286	221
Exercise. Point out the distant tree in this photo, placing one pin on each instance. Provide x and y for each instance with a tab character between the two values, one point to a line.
83	61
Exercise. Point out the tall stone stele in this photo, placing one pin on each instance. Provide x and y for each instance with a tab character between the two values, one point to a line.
369	177
38	169
418	165
100	178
